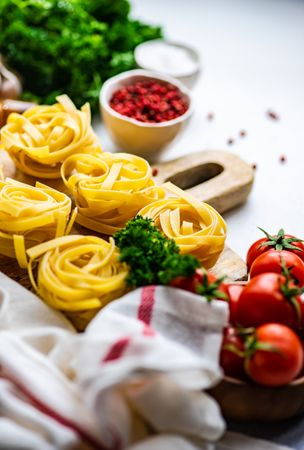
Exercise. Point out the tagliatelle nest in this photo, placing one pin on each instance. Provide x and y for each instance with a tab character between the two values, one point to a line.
196	227
109	189
41	138
30	215
78	274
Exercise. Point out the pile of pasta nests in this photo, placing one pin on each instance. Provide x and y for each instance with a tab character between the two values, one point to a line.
79	274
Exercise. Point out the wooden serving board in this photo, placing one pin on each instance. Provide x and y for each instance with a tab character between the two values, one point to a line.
219	178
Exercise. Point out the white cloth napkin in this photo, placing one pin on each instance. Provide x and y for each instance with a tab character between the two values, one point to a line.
134	379
153	352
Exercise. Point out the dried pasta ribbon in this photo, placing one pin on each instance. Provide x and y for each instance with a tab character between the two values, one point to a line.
196	227
78	273
30	215
41	138
109	189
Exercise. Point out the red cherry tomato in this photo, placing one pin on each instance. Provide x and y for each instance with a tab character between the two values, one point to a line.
231	360
301	331
255	250
283	240
300	245
189	283
195	284
262	301
273	260
234	291
280	361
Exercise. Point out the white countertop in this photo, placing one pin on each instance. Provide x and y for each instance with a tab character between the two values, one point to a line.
252	56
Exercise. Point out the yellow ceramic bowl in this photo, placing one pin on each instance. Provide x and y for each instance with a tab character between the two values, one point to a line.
133	136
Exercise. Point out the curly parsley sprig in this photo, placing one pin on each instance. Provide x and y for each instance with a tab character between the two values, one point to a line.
69	46
152	258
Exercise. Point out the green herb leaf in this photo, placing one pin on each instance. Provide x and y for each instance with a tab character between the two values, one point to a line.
152	258
69	46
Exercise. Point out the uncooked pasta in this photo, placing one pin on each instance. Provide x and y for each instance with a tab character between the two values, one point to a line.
30	215
41	138
78	274
196	227
109	189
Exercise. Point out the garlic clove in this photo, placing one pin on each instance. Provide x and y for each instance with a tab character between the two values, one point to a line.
7	165
10	85
9	106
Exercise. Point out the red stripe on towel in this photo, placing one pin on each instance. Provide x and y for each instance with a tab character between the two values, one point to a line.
47	410
145	309
117	349
148	331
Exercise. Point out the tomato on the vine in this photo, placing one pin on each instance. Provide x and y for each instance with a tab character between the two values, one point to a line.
280	241
269	297
232	356
188	283
203	283
275	355
275	261
234	291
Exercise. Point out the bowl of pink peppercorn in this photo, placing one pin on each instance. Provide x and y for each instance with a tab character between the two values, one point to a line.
144	111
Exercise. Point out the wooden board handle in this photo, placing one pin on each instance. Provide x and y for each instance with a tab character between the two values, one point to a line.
219	178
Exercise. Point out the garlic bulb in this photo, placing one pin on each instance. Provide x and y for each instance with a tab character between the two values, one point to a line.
10	85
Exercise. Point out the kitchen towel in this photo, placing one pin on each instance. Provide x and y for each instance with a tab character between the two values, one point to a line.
135	379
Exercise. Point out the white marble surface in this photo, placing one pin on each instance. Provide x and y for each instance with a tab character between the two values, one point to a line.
252	55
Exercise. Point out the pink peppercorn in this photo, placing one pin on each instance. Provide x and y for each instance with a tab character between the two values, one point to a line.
149	101
272	115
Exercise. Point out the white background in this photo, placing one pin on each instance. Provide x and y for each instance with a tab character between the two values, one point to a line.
252	54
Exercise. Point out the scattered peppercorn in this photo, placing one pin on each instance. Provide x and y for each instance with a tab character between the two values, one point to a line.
230	141
243	133
273	115
283	158
154	172
149	101
254	166
210	116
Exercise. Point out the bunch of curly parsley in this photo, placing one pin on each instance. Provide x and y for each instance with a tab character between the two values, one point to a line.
151	257
69	46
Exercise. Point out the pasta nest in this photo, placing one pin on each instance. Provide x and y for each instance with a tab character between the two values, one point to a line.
30	215
196	227
78	273
109	189
41	138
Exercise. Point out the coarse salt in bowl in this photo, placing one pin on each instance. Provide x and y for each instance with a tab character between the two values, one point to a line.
172	58
145	139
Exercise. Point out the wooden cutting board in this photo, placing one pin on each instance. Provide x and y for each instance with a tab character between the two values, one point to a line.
219	178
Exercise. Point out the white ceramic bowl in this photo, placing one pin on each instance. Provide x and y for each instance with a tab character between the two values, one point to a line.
188	76
141	138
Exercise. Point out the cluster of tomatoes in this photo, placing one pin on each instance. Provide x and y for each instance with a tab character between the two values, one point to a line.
264	339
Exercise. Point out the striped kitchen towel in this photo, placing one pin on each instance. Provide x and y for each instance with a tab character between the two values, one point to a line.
135	379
